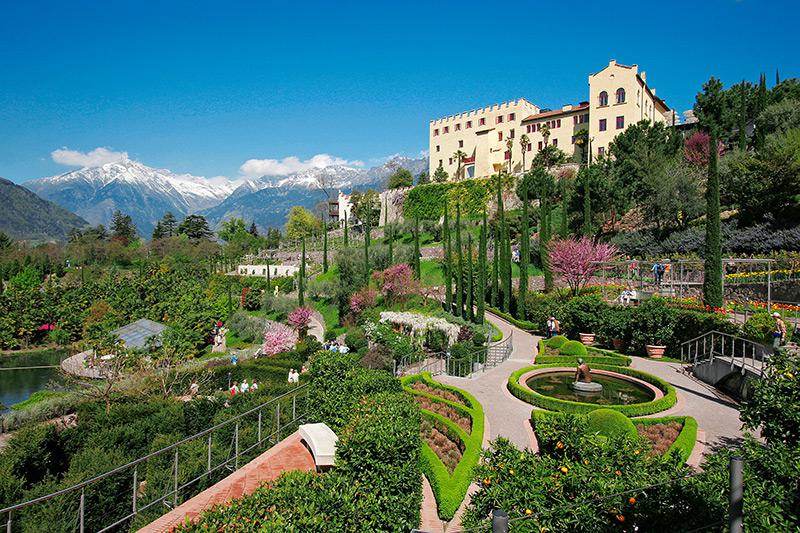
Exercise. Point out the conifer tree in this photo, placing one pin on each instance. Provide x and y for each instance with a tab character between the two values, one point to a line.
761	103
366	246
448	263
417	266
495	268
391	242
587	203
524	254
301	278
544	241
470	281
506	267
743	118
269	281
460	266
346	244
563	231
324	245
481	294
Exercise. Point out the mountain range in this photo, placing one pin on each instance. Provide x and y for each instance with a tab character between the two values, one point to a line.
26	216
147	193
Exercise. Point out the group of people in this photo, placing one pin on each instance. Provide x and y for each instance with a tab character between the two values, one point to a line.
294	375
553	327
333	346
243	388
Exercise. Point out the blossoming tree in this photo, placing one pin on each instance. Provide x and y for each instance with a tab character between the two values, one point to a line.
278	338
396	283
576	261
299	320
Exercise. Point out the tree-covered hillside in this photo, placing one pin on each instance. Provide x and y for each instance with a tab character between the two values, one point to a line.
27	216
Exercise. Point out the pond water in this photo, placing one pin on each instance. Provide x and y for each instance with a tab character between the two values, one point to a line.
616	391
17	385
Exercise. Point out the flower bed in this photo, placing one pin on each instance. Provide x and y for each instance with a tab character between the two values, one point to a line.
554	404
449	485
446	444
670	434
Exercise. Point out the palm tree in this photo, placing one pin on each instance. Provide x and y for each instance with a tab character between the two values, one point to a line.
545	133
459	156
509	145
524	142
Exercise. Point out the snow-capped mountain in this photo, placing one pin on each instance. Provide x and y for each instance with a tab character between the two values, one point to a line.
134	188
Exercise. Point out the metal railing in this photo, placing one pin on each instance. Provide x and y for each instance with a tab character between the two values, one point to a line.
226	442
744	353
480	360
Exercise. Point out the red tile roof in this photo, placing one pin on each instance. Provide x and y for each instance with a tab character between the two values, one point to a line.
547	114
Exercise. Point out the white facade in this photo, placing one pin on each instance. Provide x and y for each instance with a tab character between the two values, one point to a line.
275	271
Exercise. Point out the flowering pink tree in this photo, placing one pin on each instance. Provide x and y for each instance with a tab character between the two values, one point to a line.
396	283
576	260
299	320
362	300
695	148
278	338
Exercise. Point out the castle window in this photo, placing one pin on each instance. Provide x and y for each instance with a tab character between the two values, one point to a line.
438	148
482	122
620	122
499	135
461	144
447	129
602	125
558	123
529	147
436	132
469	124
603	99
458	127
540	146
601	151
512	116
511	134
620	95
555	142
499	119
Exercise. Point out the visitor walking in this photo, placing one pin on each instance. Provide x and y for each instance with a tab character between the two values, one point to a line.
234	390
658	272
244	386
234	359
553	327
253	386
291	376
779	332
194	388
296	377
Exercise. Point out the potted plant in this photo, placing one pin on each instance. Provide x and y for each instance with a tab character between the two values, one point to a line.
615	327
582	316
652	326
587	338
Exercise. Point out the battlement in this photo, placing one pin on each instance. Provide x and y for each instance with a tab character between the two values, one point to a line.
484	110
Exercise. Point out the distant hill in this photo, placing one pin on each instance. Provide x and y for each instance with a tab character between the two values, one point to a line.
24	215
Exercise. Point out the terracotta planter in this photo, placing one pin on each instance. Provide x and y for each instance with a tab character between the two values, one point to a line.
587	338
654	351
619	344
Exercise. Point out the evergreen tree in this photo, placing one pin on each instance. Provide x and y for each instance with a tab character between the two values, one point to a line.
195	227
709	110
122	228
417	265
495	267
366	249
448	263
761	104
5	241
470	281
346	244
544	241
423	178
505	255
563	230
253	229
524	256
460	266
269	280
481	293
390	229
169	224
743	118
587	204
324	245
158	231
301	278
507	267
777	77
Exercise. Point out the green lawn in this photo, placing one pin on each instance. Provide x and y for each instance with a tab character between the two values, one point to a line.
330	312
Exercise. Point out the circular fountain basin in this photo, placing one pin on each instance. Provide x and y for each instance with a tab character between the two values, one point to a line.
615	389
582	386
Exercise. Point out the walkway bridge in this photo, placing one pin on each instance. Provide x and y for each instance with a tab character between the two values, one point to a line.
726	361
481	360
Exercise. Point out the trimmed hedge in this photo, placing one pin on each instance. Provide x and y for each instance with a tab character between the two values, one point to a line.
595	356
448	489
426	202
554	404
573	348
521	324
608	422
684	443
557	342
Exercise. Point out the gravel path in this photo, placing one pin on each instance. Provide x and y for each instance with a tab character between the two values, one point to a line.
506	416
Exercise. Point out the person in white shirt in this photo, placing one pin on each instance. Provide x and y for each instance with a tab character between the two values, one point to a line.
291	376
244	386
253	386
296	377
234	390
194	388
343	349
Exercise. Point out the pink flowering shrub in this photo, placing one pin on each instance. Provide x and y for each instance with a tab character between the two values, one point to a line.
362	300
695	148
396	283
575	260
299	320
278	338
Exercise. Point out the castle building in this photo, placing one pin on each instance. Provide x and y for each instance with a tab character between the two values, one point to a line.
475	144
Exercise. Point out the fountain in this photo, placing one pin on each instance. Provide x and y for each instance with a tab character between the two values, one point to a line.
583	379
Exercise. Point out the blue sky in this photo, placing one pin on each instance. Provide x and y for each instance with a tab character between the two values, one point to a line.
203	87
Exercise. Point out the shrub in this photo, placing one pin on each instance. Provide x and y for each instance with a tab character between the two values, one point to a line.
557	341
539	307
653	322
759	328
582	314
614	324
247	328
573	349
609	423
378	357
355	339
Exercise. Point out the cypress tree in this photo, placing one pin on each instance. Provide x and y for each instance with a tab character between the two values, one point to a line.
761	103
587	203
269	281
506	267
777	77
544	241
564	229
301	282
481	295
743	118
460	266
346	244
417	266
524	254
448	264
501	244
391	239
470	281
324	246
712	275
366	243
495	268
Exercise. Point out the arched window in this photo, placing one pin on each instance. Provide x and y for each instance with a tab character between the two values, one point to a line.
620	95
603	98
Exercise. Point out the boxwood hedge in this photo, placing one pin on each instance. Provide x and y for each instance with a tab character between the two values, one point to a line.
595	356
554	404
448	489
684	443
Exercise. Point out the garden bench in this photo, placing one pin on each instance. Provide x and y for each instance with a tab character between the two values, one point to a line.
322	441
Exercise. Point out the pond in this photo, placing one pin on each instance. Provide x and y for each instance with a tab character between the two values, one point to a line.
17	385
616	390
